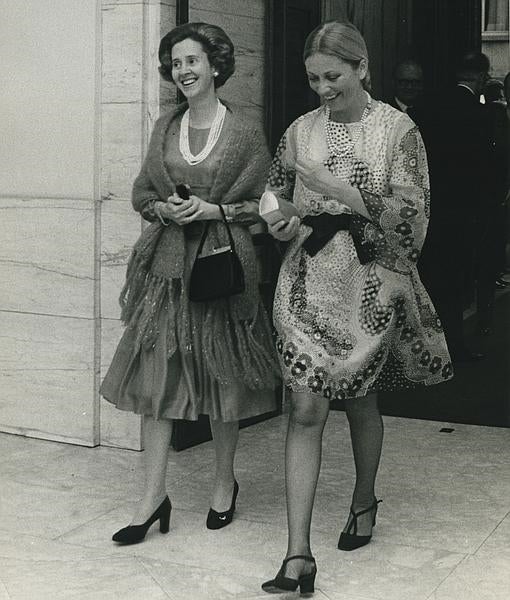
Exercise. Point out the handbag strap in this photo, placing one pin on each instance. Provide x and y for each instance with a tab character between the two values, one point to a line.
206	231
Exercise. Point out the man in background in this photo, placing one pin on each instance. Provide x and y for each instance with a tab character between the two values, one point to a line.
456	131
489	258
408	85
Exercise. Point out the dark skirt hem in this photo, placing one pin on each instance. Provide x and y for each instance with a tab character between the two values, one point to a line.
262	409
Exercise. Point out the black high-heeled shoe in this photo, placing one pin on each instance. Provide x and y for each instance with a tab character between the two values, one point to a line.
281	584
132	534
351	541
217	520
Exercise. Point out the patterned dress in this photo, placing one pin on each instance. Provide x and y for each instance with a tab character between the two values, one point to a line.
346	329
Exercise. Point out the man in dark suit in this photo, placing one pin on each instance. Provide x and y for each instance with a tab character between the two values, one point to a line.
456	133
489	260
499	107
408	85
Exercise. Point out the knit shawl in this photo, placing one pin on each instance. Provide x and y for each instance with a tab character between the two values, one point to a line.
236	332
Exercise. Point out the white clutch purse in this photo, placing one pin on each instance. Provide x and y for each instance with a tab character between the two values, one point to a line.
273	209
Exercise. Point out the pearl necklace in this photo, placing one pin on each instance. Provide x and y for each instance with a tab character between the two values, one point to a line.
212	138
333	148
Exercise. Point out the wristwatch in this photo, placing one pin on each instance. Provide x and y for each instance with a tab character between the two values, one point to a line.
228	210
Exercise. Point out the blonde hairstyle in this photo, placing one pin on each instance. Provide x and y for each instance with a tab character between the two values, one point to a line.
340	39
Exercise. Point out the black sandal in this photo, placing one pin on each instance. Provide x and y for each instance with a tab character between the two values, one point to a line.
351	541
282	584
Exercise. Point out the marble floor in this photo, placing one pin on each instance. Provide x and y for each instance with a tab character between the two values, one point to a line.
443	530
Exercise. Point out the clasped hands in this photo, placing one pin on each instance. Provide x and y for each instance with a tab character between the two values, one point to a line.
317	178
182	211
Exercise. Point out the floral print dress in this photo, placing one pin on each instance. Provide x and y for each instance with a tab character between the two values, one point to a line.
346	329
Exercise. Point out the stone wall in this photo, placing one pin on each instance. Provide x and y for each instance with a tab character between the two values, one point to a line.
129	107
48	194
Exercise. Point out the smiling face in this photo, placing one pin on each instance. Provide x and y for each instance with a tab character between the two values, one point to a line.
338	83
191	69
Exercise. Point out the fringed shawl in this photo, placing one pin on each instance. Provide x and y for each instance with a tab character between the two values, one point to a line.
155	272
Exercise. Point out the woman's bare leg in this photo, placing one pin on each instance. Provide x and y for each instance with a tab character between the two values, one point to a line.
367	432
303	452
156	438
225	436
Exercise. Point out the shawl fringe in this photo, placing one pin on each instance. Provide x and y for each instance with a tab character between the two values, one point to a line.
232	350
235	330
137	272
236	334
145	316
229	344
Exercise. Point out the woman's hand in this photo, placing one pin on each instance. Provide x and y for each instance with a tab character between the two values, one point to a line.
207	210
181	211
284	231
194	209
316	177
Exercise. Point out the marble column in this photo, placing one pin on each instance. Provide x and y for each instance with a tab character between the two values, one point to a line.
47	230
131	32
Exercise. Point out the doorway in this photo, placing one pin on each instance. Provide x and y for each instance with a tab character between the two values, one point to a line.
288	94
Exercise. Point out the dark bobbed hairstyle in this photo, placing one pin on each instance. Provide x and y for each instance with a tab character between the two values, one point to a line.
215	42
340	39
471	65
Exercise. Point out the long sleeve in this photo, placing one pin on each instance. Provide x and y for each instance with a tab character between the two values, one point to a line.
144	195
249	158
401	216
282	174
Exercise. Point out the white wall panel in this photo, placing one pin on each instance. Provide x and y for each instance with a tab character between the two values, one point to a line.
47	113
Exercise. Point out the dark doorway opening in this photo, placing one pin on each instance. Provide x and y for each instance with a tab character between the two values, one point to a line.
288	94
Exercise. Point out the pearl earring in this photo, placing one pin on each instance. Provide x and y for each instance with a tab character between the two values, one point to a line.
215	73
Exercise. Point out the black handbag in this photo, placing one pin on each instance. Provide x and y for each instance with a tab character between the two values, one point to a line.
218	274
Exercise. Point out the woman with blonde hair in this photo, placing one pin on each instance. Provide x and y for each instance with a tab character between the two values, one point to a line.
351	314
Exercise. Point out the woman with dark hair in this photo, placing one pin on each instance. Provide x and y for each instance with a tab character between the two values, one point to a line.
179	359
351	314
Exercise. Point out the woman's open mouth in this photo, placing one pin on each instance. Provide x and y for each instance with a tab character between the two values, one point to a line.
188	82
